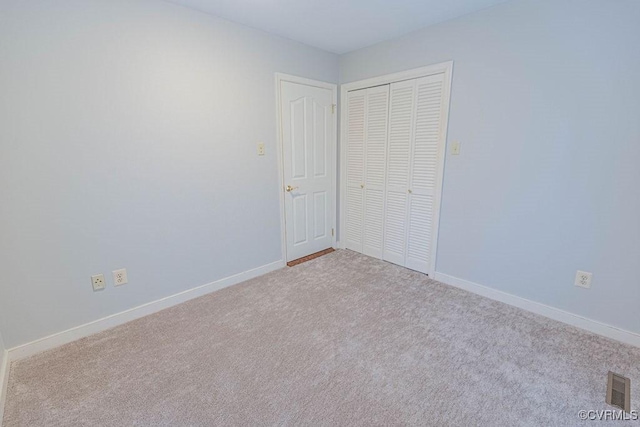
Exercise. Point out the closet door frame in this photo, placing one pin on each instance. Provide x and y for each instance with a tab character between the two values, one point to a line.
445	68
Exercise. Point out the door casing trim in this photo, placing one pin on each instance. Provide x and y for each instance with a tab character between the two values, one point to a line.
333	149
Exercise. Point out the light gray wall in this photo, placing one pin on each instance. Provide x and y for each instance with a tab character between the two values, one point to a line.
545	101
128	134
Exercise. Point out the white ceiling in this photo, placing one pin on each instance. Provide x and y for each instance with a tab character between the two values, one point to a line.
338	26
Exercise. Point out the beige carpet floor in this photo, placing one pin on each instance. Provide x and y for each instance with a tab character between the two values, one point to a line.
340	340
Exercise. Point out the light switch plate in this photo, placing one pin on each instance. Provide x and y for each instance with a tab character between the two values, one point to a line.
455	148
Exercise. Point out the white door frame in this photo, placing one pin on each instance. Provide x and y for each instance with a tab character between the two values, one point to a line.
445	68
280	77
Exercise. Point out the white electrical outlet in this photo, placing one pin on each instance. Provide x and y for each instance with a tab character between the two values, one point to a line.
97	282
261	149
120	277
583	279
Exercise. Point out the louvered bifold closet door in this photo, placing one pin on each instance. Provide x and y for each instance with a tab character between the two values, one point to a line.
401	119
354	209
427	143
377	109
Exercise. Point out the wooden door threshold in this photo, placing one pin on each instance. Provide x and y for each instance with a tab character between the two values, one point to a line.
309	257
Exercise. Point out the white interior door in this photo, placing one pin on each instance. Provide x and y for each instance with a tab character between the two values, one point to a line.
416	144
427	148
308	149
393	140
375	159
401	128
366	148
355	149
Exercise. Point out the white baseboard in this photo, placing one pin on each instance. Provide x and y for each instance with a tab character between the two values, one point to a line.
590	325
108	322
4	379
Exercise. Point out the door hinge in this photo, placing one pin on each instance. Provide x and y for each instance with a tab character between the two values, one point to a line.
333	108
332	232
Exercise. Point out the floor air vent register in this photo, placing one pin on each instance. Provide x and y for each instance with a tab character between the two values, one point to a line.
619	391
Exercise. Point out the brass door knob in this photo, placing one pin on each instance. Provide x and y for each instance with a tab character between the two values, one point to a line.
290	188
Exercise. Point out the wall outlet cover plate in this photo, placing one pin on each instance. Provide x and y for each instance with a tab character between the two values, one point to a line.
120	277
98	282
583	279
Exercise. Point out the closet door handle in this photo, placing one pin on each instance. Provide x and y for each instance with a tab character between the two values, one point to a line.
410	192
